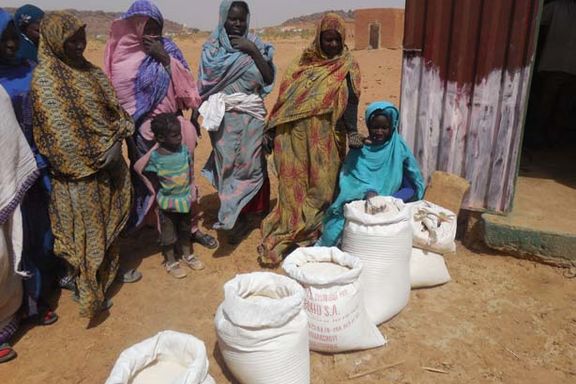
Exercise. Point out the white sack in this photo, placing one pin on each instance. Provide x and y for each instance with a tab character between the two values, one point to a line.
167	358
383	241
427	269
434	227
337	319
263	330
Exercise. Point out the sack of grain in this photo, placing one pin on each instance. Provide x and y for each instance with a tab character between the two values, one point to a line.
433	226
379	233
263	330
167	358
427	269
337	319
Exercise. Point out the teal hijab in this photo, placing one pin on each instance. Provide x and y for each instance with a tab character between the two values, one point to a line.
378	168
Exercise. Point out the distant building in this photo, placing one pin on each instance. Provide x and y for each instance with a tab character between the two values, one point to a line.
351	34
379	28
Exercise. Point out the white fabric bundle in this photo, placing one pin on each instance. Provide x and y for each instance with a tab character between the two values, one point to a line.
434	227
167	358
383	241
263	330
427	269
213	109
337	318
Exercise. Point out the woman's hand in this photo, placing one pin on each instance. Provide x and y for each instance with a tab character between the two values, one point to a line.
244	45
248	47
370	194
111	157
153	47
268	141
194	120
355	141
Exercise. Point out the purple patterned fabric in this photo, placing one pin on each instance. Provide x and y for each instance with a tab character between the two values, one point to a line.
153	80
9	330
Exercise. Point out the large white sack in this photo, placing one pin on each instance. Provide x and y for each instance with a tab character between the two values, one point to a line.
337	318
433	226
427	269
263	330
383	241
167	358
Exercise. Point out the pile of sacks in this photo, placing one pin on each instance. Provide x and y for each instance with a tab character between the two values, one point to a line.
330	301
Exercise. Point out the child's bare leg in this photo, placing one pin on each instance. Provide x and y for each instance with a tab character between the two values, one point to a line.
187	249
168	238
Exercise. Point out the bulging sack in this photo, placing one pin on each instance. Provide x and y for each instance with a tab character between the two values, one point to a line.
427	269
381	237
433	226
263	330
337	319
167	358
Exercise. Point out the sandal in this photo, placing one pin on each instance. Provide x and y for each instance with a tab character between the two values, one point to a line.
175	271
45	317
205	240
194	263
6	353
130	276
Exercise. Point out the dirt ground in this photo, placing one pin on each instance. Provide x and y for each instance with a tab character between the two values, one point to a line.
501	320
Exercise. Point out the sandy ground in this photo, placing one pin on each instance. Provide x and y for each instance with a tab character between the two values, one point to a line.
501	320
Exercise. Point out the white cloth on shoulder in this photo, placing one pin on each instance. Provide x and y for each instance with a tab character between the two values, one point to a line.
213	109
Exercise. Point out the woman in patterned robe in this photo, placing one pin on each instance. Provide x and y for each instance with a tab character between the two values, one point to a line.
316	107
79	126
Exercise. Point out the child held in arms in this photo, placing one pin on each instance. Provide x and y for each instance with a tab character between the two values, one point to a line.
385	166
169	169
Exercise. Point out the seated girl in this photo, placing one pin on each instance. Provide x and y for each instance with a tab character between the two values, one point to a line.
385	166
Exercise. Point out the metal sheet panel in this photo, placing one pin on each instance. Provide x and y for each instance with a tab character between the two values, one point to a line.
466	72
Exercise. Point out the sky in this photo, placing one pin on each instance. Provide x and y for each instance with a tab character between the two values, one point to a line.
203	14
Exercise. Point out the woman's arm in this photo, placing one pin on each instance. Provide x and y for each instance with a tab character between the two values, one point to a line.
350	117
249	48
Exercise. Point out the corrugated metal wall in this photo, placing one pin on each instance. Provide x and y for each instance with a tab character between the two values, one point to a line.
465	84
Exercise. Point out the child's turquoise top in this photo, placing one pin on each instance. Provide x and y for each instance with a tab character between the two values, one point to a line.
173	172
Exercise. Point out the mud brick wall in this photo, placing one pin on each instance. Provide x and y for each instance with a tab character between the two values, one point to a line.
391	22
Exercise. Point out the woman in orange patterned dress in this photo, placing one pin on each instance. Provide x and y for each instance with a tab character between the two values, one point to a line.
316	108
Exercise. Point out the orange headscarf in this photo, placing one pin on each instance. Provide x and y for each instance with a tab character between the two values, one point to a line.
314	84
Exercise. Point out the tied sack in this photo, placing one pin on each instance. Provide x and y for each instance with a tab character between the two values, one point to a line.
379	232
433	226
337	319
263	330
167	358
427	269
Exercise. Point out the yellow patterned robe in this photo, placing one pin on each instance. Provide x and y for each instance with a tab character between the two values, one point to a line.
308	146
77	118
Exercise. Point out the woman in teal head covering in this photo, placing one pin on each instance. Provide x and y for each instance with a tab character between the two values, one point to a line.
236	61
27	19
384	166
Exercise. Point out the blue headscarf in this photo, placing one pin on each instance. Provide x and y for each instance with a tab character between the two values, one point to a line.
220	64
152	81
25	15
15	75
16	78
374	167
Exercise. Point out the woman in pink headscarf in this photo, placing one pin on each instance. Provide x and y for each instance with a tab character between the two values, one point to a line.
151	77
